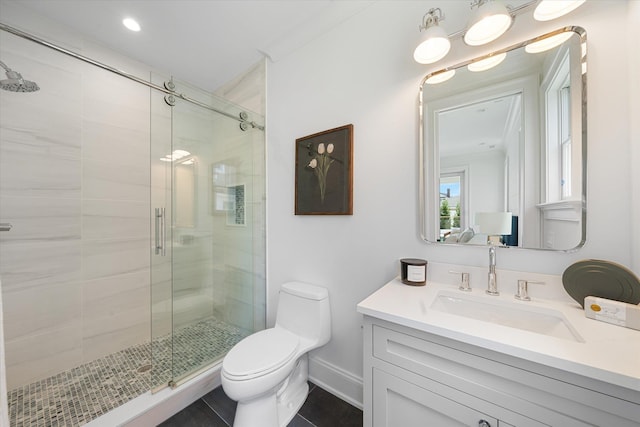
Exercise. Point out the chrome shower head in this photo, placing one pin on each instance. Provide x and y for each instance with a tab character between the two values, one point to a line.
15	82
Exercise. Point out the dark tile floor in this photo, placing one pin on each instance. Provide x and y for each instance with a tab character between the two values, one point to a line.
321	409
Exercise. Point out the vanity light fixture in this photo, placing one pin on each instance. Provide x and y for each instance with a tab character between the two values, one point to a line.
131	24
435	42
487	63
548	43
489	20
440	77
547	10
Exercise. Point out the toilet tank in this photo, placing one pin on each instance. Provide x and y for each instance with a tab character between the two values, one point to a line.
304	310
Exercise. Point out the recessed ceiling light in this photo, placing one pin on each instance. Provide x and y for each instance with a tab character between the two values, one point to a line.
131	24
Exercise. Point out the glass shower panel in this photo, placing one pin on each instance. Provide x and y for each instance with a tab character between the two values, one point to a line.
211	241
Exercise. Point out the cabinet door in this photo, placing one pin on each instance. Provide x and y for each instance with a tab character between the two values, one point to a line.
397	402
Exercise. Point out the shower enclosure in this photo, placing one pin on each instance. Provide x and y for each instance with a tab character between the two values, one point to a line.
136	254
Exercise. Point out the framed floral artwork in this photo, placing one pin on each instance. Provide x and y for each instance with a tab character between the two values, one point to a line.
324	173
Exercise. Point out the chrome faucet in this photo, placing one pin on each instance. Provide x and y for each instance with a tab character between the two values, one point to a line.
492	285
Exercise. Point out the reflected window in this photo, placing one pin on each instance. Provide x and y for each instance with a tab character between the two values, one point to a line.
565	140
558	133
452	219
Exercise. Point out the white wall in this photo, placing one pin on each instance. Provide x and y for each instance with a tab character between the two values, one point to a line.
634	112
363	73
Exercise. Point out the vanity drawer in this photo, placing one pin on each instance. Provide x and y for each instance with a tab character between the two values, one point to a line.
499	380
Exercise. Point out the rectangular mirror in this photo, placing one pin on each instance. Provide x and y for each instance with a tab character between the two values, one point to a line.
503	150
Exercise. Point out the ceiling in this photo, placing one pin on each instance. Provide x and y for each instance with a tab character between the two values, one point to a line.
484	129
223	37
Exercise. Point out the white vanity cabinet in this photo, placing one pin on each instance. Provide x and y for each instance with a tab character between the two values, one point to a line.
417	378
398	402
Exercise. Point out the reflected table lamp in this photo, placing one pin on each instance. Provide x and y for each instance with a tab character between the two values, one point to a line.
494	225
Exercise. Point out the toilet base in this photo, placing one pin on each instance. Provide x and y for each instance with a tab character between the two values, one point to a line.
277	409
262	411
294	392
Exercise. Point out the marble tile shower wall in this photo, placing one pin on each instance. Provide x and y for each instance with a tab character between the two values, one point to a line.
74	182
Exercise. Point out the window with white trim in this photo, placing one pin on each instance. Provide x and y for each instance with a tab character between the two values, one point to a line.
558	134
452	194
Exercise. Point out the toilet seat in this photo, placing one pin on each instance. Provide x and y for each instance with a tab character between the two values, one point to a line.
260	354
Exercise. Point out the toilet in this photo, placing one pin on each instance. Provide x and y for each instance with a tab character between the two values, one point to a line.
266	372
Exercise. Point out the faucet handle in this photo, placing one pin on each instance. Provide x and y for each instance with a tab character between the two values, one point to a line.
464	280
523	290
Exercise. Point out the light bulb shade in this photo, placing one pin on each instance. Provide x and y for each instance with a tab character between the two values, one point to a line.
547	10
494	223
434	46
488	22
440	77
487	63
548	43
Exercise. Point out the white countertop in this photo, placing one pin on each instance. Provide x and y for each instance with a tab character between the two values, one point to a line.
609	353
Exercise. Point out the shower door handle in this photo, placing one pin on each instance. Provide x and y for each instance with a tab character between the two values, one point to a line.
160	232
5	226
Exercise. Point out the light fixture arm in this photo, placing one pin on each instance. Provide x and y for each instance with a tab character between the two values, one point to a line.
431	18
478	3
513	11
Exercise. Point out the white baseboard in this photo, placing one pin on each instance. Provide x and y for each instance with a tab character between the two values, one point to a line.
337	381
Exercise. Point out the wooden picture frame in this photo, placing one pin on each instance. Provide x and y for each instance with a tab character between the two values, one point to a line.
324	173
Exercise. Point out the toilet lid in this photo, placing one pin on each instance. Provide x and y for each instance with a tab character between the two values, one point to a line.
260	353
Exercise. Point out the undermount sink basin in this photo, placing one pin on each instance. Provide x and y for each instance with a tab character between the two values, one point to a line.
533	318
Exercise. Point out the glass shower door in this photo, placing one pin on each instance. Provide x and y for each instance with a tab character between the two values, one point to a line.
208	232
160	247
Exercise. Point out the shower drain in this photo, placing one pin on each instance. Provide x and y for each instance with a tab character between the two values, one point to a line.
144	368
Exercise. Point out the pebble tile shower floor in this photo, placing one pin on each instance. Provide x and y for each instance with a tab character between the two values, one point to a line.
77	396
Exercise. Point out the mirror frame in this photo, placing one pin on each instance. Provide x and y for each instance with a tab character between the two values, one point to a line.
424	194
